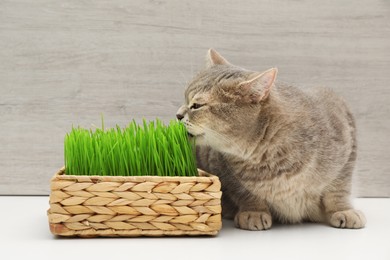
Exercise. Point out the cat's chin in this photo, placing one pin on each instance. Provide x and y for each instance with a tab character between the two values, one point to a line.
199	140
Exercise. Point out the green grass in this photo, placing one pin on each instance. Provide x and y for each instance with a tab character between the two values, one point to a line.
151	148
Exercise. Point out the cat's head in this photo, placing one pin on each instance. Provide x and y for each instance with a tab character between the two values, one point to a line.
223	102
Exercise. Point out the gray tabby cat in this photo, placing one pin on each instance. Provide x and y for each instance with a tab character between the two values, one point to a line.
281	153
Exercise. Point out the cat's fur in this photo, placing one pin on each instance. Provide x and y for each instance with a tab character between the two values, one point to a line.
281	153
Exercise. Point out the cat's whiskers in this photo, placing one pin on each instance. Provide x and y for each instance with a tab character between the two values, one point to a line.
194	130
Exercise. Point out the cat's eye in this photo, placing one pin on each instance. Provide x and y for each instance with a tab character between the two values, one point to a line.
196	106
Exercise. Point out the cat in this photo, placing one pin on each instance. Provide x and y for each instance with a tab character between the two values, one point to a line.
282	154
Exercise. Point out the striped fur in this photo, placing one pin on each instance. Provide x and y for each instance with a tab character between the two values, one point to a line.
282	154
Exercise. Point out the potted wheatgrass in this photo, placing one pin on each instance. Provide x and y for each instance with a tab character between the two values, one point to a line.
141	180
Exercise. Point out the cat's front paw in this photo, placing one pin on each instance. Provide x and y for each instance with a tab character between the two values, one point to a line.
348	219
253	220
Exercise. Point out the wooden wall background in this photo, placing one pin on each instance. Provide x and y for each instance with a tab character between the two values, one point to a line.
66	62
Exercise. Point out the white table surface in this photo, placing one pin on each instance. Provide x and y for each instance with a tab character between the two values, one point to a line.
25	234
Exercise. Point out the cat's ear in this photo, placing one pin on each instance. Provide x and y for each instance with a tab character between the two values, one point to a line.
214	58
259	85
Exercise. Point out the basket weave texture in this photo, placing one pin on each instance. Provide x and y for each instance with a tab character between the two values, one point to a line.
90	206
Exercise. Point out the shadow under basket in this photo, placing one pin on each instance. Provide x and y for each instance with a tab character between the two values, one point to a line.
91	206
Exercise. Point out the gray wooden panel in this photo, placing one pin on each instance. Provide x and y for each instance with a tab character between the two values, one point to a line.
66	62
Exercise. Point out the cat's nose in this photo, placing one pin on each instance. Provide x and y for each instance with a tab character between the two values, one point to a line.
179	116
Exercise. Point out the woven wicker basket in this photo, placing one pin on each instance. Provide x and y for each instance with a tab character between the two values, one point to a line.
90	206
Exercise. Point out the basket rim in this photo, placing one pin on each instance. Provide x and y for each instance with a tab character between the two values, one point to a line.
203	177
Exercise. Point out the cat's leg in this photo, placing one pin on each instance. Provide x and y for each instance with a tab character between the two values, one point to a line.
339	211
253	217
229	208
250	212
237	201
336	201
